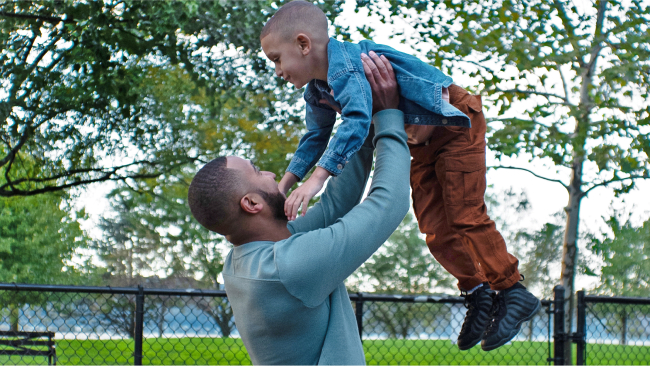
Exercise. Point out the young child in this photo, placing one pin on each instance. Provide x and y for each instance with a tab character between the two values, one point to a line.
447	170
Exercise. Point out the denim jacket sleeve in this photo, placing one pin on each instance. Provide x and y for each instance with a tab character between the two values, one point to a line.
352	92
320	122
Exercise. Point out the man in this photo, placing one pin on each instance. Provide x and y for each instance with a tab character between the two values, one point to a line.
285	280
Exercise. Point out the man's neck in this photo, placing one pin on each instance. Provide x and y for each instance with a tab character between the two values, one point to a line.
268	231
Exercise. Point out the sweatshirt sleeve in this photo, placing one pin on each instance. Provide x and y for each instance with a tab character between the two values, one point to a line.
312	264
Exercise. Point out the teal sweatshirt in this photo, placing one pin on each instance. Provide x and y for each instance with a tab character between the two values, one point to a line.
288	297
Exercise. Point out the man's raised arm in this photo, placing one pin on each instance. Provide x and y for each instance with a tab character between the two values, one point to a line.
312	264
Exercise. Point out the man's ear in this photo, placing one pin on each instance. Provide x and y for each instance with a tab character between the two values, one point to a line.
252	203
304	42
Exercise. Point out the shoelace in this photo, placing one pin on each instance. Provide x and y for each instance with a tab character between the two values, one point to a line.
469	305
494	311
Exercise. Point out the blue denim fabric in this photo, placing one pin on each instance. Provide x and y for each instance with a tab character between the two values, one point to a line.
420	88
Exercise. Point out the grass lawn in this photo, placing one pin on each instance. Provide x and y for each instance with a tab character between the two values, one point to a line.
214	351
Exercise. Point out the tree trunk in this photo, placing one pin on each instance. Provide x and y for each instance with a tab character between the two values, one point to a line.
570	252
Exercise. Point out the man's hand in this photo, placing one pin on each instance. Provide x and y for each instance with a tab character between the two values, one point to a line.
301	195
380	75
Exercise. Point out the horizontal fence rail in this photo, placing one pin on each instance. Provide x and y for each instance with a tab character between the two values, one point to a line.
136	325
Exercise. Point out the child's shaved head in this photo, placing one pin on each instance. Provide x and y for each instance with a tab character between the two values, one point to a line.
297	17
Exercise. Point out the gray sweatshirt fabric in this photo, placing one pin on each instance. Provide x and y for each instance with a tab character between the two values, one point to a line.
288	297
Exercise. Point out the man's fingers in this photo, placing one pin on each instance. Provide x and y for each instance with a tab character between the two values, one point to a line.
389	67
373	69
368	71
380	66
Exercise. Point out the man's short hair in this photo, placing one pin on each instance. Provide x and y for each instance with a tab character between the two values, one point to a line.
212	196
297	15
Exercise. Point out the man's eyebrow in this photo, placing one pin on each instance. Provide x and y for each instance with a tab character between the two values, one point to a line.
254	167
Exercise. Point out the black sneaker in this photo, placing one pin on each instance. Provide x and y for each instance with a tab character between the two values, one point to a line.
477	318
510	309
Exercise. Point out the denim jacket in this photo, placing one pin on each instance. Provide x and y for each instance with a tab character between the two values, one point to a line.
421	101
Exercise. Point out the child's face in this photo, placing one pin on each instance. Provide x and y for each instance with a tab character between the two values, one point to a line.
290	59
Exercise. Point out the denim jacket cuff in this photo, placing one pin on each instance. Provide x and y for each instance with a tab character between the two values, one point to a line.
332	162
298	167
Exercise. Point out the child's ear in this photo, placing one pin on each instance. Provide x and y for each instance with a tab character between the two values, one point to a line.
304	42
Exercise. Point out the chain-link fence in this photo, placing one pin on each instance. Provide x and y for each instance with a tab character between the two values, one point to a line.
616	330
102	325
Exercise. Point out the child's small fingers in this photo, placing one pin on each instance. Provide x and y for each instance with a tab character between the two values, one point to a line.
287	205
294	211
305	203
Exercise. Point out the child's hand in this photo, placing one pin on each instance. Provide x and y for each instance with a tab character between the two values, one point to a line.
301	195
287	181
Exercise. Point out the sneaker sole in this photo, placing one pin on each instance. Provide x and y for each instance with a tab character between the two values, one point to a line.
471	345
516	330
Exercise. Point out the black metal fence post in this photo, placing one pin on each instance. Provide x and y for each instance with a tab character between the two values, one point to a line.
139	324
558	326
581	335
359	313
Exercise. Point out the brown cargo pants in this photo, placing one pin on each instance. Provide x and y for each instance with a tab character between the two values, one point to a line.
448	182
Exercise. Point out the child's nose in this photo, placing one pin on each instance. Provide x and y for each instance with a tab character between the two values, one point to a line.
278	72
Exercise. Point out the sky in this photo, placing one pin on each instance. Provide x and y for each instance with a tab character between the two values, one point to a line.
546	198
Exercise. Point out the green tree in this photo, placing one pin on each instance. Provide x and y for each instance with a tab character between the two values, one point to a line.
537	248
402	266
624	252
75	96
38	239
568	83
542	256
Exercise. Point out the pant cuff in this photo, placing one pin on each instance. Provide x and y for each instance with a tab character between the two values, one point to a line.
472	282
507	283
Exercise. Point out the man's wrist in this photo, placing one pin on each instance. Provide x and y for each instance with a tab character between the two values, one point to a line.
386	115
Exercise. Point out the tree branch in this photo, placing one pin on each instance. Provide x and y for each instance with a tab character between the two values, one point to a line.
566	22
606	183
458	59
108	175
29	49
531	172
533	92
45	18
598	36
565	86
520	120
9	158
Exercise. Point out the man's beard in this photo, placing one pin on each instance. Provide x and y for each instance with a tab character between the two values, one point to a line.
276	204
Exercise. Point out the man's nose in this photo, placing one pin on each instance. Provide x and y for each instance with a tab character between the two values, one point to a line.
269	174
